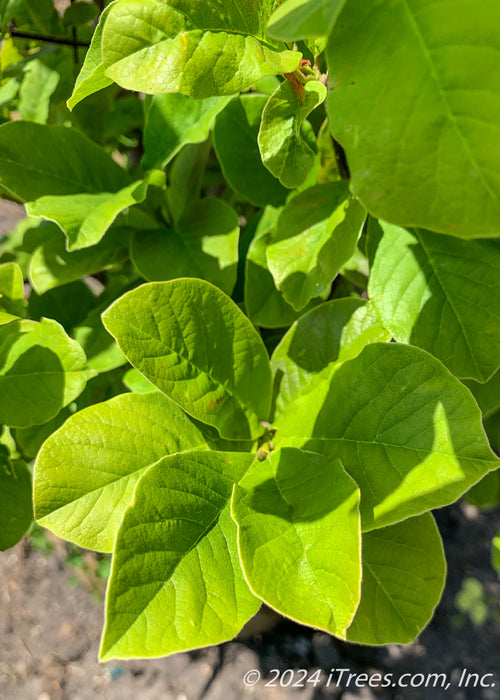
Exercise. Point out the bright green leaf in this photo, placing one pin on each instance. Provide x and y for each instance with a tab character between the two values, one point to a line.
92	77
406	430
176	581
495	554
149	46
304	19
264	303
85	218
316	234
299	537
404	571
193	343
285	148
174	120
415	102
37	88
136	382
12	304
41	371
86	472
439	293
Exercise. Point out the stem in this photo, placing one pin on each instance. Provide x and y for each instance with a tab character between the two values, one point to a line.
49	39
74	34
341	159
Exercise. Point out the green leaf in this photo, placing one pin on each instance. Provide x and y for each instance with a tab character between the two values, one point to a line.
80	13
304	19
149	46
41	371
487	394
299	537
186	178
38	86
495	554
316	234
103	353
486	493
235	139
204	245
92	77
287	151
40	17
69	304
331	333
136	382
38	160
404	572
51	265
12	304
406	430
265	305
176	581
16	511
414	101
174	120
86	472
85	218
193	343
439	293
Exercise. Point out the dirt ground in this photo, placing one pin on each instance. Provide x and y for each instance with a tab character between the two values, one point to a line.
49	632
49	635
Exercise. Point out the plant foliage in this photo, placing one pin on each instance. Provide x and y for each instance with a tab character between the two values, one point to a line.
249	329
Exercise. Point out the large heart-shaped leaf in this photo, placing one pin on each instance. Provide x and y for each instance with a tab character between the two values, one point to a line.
41	371
193	343
415	102
149	46
406	430
439	293
86	471
176	581
299	537
404	571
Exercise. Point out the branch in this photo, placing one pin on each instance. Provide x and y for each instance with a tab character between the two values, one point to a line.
48	39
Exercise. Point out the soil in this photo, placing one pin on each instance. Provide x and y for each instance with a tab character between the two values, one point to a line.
49	631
